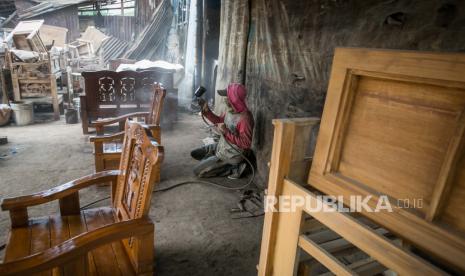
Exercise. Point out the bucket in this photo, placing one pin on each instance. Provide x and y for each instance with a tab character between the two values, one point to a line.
71	116
77	106
22	113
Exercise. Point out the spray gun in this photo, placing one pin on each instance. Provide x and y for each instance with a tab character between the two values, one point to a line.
199	92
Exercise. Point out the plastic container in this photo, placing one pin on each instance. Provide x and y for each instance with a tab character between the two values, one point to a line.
23	113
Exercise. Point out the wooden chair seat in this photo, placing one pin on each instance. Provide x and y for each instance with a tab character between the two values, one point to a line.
112	148
45	232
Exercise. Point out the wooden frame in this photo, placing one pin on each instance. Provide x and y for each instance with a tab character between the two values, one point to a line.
108	240
364	84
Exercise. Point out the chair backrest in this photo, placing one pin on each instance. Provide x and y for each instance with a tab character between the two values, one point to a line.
140	167
110	93
157	104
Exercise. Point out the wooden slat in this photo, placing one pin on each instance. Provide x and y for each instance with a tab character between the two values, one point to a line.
104	257
19	243
77	225
325	258
122	259
40	238
364	267
59	232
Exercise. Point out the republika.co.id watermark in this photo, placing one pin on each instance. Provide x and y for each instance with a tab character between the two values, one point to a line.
324	203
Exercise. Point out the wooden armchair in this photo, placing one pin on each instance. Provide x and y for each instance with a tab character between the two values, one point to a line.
114	240
107	148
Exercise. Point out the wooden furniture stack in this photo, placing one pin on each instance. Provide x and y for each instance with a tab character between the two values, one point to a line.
393	127
34	80
114	240
107	147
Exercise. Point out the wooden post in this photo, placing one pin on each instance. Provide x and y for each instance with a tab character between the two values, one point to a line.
19	217
69	205
284	145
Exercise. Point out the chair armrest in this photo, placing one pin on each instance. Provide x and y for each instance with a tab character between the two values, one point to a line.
59	192
107	138
76	247
121	118
155	131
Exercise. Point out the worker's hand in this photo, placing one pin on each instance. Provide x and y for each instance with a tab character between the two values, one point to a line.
221	128
203	104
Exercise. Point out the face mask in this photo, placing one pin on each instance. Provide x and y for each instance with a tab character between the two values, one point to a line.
229	106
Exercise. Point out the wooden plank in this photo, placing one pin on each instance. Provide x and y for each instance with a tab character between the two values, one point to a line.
59	232
77	225
104	257
40	238
19	243
122	259
366	267
325	258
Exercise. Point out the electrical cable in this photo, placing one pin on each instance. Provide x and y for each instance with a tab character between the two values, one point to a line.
94	202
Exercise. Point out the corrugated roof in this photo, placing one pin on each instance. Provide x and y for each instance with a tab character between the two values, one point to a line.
48	6
151	42
113	48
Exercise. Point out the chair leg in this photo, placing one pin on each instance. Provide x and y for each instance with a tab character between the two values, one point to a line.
146	254
84	117
99	158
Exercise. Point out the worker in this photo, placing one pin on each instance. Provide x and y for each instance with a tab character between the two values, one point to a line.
225	158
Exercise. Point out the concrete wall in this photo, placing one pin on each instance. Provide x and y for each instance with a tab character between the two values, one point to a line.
291	45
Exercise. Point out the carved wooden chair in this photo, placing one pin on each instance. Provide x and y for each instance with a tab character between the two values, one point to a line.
114	240
107	148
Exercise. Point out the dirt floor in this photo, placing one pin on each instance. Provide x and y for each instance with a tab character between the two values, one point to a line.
194	231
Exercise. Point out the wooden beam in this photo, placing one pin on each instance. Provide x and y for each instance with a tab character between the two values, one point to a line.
281	159
325	258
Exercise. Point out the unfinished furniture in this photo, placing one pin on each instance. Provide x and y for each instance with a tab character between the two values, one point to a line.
111	94
107	148
85	53
392	129
115	240
34	78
